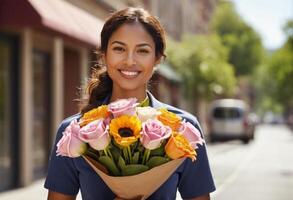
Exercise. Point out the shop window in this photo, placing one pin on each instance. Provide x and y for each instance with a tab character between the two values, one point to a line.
41	112
8	112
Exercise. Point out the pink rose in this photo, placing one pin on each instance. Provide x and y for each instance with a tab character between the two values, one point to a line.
153	133
123	107
191	134
95	134
70	145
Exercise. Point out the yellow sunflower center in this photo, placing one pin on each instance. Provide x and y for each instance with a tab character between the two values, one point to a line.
125	129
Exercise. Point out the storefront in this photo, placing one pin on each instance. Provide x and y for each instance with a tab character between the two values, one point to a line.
45	51
8	111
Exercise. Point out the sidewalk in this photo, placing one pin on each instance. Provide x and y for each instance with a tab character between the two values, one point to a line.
35	191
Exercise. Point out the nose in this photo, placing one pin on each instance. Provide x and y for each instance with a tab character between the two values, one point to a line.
130	59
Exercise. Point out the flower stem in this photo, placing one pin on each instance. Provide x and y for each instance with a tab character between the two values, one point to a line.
106	152
130	155
126	157
146	156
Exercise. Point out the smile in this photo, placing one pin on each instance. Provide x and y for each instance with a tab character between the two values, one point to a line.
129	74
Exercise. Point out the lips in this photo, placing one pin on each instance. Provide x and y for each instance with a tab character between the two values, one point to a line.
129	74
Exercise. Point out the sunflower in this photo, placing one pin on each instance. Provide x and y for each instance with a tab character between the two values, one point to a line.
94	114
125	129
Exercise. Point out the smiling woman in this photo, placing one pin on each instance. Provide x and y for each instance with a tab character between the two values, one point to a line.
130	60
132	43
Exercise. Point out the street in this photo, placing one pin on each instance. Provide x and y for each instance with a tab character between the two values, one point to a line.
261	170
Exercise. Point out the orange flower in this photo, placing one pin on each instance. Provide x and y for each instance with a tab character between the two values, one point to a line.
125	130
169	119
179	147
94	114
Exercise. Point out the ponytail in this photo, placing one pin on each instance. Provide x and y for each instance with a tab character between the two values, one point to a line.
98	88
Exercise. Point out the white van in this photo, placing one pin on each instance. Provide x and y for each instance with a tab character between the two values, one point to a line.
228	119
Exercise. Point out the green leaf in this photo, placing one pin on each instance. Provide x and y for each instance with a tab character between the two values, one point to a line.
156	161
115	153
158	151
121	162
135	158
110	165
134	169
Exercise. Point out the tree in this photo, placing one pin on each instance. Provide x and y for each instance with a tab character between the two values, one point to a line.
288	30
276	76
202	62
243	43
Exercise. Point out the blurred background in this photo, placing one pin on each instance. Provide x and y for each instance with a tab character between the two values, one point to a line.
229	62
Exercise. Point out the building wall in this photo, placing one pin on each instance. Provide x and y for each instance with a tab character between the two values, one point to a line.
42	64
181	17
103	8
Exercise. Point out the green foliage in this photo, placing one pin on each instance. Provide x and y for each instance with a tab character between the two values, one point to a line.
288	29
280	70
275	78
243	43
202	62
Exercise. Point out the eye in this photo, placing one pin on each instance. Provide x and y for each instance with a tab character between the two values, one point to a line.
118	49
143	51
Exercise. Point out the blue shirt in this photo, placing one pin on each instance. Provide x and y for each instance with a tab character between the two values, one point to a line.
68	175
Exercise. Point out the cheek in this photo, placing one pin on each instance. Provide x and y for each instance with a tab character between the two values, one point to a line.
149	64
112	60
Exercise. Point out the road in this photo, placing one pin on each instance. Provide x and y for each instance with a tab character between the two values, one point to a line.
261	170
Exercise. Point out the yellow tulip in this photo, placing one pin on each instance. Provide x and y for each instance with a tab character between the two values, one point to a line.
179	147
94	114
169	119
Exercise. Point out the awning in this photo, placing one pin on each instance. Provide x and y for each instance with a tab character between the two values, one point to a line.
165	70
56	15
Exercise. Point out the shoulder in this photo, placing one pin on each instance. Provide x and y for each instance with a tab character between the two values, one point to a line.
67	121
184	115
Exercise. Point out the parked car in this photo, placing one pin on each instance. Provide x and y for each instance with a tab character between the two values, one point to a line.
228	119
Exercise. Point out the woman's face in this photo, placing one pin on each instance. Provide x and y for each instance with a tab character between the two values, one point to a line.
130	58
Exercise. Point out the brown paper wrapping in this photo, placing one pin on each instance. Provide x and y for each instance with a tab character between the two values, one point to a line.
139	186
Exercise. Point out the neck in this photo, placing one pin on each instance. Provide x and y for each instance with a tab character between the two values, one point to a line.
140	95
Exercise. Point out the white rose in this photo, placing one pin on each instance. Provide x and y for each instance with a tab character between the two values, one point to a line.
145	113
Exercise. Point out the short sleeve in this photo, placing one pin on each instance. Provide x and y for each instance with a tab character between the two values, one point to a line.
196	178
62	174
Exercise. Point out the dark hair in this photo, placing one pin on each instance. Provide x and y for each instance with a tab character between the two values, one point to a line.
100	84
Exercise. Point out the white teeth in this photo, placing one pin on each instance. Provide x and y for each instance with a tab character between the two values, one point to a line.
129	73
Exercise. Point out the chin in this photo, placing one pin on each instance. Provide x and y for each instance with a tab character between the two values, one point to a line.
130	87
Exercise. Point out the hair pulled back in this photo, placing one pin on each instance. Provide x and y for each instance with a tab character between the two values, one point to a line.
100	84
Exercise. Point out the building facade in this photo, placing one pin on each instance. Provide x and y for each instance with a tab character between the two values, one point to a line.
46	52
183	17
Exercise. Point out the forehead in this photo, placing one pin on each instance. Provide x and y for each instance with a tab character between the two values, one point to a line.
132	33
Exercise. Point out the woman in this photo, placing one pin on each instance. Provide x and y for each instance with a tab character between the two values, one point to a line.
132	43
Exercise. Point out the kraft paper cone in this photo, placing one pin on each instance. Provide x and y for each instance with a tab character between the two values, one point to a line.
137	186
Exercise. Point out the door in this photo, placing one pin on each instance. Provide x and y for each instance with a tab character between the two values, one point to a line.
8	111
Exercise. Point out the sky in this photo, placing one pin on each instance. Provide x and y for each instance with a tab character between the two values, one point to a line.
267	17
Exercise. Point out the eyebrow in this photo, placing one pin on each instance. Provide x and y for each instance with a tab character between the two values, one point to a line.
139	45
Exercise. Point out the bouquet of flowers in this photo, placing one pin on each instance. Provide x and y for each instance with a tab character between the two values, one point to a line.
125	141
